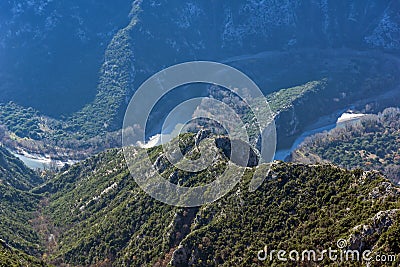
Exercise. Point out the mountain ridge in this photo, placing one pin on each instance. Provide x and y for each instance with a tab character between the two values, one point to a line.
117	221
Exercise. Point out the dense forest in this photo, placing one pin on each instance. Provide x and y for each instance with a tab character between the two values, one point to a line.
371	143
11	257
18	207
94	214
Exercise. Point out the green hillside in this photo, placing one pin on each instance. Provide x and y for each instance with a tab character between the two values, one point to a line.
19	207
70	71
323	82
371	144
94	214
11	257
101	216
13	172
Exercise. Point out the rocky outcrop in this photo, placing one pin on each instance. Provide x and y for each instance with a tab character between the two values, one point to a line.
237	151
161	163
366	235
180	257
201	135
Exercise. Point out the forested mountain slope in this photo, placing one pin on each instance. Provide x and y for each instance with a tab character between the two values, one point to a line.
100	216
14	173
371	143
18	209
10	257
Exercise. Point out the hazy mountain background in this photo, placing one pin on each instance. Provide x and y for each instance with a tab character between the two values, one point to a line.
52	51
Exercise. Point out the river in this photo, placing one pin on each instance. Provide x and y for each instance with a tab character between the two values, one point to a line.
325	123
40	162
32	162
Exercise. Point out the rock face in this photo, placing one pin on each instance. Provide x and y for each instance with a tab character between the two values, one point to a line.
179	257
75	34
53	50
201	135
216	28
367	234
384	190
161	163
237	151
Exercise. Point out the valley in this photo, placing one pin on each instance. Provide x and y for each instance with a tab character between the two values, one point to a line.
132	48
71	195
347	70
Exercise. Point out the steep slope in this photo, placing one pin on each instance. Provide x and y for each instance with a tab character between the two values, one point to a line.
18	209
93	199
18	206
235	32
46	46
51	51
14	173
11	257
101	216
299	208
